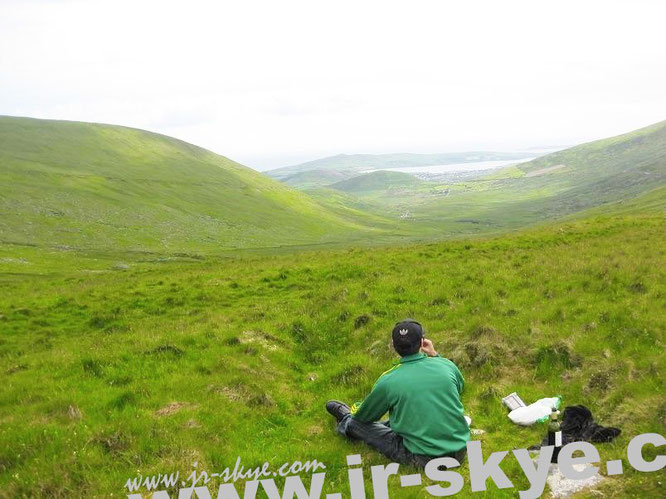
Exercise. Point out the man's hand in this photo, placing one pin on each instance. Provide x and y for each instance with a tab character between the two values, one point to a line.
428	348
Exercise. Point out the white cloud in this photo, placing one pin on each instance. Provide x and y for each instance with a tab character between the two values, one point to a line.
267	82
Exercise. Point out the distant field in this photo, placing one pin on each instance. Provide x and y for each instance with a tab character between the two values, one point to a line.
121	363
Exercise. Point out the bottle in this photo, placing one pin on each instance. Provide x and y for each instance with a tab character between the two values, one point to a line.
554	435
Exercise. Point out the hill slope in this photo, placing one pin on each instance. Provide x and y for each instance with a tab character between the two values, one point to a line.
555	185
604	170
313	178
374	181
88	185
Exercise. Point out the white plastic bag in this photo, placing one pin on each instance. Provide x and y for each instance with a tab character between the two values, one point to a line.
538	411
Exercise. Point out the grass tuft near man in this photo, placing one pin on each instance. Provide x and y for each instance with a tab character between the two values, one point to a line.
421	394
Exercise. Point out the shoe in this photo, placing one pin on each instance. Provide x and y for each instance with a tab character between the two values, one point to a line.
337	409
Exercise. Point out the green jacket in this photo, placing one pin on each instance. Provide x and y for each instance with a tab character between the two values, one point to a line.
422	396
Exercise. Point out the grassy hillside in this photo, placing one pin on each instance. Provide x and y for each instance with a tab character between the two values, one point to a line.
652	202
376	181
82	185
322	172
150	366
350	207
313	178
602	171
550	187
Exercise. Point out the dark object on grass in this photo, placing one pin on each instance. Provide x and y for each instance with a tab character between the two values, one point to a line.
579	425
166	349
361	321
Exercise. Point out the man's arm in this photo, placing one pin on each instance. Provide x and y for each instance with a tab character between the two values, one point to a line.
428	348
375	405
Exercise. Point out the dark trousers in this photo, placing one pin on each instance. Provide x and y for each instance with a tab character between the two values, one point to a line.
382	438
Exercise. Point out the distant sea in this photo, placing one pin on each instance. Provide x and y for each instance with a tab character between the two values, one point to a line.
455	167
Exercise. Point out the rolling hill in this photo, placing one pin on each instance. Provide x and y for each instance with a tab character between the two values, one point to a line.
325	171
375	181
313	178
83	185
581	177
602	171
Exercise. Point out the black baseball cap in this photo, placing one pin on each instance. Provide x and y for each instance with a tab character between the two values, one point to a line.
407	335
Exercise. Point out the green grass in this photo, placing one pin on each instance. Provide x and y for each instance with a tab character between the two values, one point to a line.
83	185
253	345
313	178
378	180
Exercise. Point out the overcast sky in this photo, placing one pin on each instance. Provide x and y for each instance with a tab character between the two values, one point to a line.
271	83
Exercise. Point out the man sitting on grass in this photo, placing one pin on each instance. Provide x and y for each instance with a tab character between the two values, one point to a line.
421	393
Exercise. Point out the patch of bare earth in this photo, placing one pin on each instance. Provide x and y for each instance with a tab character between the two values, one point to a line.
266	340
172	408
544	171
314	430
233	394
245	394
